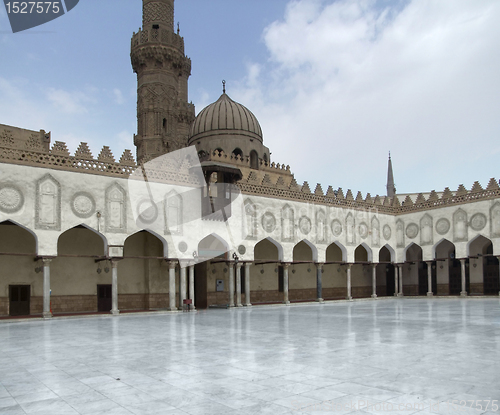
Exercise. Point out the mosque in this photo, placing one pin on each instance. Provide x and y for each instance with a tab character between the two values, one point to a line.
205	218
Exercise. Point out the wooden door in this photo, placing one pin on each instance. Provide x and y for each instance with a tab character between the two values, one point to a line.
104	297
19	296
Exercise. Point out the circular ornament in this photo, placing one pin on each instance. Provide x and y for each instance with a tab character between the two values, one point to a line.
83	205
442	226
268	222
147	211
412	230
478	221
305	225
242	250
11	199
363	230
183	246
336	228
387	232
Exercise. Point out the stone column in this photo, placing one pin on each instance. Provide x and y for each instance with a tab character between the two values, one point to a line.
319	282
191	286
374	280
238	284
349	296
247	284
429	279
46	288
114	288
400	294
183	286
396	280
285	284
171	286
231	284
463	293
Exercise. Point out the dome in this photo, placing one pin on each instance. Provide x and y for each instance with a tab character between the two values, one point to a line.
225	116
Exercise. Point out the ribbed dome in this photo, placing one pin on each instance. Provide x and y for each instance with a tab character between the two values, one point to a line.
225	116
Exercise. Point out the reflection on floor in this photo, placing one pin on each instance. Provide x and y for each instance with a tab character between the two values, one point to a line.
363	357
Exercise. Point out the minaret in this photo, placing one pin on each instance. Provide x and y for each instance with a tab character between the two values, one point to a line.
391	188
164	115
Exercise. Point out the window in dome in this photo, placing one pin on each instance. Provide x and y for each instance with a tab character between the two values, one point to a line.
238	152
254	160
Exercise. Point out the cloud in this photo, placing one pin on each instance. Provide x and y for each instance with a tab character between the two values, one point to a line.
119	99
71	102
346	81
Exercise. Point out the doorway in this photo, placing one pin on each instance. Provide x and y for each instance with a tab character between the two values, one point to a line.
200	285
104	297
19	298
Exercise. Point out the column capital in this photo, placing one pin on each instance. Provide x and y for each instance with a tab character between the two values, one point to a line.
172	264
319	265
239	264
114	264
46	260
285	265
374	264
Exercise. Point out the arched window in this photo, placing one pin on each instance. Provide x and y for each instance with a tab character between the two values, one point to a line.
254	160
238	152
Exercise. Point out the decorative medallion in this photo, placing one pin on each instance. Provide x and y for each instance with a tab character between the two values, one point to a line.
182	246
83	205
242	250
305	225
363	230
336	228
412	230
478	221
442	226
387	232
11	199
147	211
268	222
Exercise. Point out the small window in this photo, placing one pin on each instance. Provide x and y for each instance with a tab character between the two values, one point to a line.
156	26
164	123
237	152
254	160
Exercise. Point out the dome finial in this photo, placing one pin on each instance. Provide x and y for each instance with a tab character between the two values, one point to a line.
223	86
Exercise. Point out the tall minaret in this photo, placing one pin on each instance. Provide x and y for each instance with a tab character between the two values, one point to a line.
391	188
164	115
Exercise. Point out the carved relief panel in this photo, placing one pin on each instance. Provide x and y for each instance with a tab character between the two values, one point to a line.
495	220
460	230
173	213
287	224
400	234
349	227
375	232
426	231
250	223
48	204
116	209
321	227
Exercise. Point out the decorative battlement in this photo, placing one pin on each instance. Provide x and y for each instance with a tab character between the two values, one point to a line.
31	148
159	37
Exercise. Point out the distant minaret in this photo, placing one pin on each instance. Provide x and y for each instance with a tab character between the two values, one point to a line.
164	115
391	188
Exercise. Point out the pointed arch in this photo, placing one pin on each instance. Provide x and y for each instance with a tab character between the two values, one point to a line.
477	240
336	246
212	246
413	248
156	235
73	236
314	250
276	244
369	252
435	247
392	252
28	230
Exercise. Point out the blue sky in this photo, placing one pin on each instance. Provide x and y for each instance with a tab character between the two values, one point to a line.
334	84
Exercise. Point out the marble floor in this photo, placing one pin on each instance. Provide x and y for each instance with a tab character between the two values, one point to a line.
400	356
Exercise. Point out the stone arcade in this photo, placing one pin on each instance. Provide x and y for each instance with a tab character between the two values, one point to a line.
80	234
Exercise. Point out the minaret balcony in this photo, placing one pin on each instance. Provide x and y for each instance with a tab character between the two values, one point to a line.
158	36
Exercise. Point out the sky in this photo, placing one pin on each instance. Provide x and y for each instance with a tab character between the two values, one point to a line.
335	84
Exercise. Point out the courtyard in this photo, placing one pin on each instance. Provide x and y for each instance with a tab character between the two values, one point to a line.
400	356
